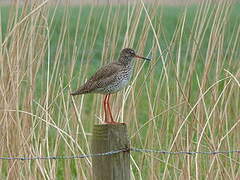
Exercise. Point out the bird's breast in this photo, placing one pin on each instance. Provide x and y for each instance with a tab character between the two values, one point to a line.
124	77
121	79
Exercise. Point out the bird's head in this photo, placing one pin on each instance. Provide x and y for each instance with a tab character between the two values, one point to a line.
128	54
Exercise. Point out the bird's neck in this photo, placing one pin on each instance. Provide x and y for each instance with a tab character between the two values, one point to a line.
126	61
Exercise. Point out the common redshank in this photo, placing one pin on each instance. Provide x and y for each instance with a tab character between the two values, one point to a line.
110	79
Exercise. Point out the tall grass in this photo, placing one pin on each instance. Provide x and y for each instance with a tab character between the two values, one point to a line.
186	99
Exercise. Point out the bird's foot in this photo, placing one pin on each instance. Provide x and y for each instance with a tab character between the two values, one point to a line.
112	122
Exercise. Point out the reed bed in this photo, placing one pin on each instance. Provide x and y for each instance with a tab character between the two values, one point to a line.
186	99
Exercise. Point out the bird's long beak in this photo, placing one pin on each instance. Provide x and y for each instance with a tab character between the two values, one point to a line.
142	57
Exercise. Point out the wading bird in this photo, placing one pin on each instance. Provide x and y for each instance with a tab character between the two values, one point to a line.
110	79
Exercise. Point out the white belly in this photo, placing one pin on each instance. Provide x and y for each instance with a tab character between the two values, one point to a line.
121	82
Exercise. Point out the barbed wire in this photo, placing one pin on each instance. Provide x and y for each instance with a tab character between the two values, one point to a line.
118	151
184	152
63	157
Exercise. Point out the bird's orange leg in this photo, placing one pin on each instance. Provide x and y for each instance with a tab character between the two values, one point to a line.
110	113
109	109
105	108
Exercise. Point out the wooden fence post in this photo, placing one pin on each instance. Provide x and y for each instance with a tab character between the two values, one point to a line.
106	138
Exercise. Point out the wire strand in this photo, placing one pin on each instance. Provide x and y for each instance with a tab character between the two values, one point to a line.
184	152
119	151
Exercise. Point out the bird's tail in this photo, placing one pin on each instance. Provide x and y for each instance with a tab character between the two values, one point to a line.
78	92
73	93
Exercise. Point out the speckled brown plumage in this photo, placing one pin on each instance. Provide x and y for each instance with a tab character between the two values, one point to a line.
104	77
110	78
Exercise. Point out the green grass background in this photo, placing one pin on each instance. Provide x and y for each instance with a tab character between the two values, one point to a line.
168	16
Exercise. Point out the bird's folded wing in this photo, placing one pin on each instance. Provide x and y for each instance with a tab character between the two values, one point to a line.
102	78
106	71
